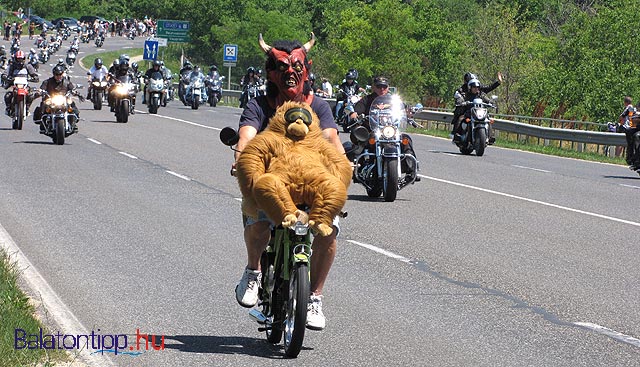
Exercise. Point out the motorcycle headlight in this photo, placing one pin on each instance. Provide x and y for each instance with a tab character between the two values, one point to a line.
58	100
388	132
121	89
481	113
96	84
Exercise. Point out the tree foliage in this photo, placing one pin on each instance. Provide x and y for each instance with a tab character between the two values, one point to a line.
566	58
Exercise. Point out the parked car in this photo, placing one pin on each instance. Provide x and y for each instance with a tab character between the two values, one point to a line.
39	21
91	18
72	23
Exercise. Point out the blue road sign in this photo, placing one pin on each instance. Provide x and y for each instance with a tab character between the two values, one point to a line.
230	53
150	51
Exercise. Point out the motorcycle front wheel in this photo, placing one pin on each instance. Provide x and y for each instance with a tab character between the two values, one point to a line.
195	102
97	100
153	104
19	115
481	141
296	312
58	134
390	184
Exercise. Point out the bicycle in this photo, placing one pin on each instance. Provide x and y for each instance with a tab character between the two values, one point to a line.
284	289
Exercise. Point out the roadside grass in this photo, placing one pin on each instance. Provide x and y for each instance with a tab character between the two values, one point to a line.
108	57
511	142
16	312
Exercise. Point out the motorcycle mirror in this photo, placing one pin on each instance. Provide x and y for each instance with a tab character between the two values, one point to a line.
360	133
229	136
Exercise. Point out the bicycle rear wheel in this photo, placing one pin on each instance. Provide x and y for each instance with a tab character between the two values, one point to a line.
296	310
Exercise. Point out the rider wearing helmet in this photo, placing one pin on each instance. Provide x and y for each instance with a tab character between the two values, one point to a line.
184	80
57	84
156	67
16	66
248	79
460	96
348	88
474	90
98	71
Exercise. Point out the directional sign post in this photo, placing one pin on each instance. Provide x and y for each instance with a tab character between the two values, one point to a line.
229	59
174	30
150	51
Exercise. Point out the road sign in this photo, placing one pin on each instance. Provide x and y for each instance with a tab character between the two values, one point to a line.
162	42
230	53
150	51
174	30
228	64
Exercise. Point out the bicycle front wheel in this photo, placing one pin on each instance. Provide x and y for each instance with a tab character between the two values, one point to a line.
296	311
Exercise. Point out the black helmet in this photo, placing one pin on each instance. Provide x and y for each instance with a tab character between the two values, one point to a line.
312	77
213	68
157	63
58	70
351	75
468	76
250	69
134	65
473	83
116	62
259	72
186	63
97	62
355	73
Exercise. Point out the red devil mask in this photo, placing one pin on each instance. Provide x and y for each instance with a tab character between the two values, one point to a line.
288	70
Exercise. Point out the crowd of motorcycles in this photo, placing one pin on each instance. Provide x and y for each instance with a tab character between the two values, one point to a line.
118	89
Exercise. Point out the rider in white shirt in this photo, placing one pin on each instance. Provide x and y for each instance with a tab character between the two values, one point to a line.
97	71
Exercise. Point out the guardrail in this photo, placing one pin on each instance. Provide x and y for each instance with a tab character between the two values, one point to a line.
578	136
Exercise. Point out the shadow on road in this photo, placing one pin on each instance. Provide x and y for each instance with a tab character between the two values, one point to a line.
224	345
367	198
34	142
631	177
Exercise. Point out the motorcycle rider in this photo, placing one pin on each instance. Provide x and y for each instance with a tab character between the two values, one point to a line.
57	84
248	79
155	68
286	68
460	95
16	65
213	75
348	88
465	102
196	73
3	55
631	132
122	69
185	72
381	88
99	72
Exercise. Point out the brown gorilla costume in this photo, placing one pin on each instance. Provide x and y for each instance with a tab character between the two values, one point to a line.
291	163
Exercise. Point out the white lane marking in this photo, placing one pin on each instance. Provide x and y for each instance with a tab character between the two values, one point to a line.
530	168
52	303
381	251
189	122
94	141
631	186
533	201
178	175
128	155
610	333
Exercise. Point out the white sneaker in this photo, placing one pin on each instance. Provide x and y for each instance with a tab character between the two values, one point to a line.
315	317
247	288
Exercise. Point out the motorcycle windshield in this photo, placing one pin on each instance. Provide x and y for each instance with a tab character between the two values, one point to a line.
387	110
156	76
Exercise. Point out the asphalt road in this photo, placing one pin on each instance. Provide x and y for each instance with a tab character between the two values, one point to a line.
508	259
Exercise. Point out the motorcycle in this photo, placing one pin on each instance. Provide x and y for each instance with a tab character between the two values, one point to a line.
214	89
44	55
343	119
3	61
156	92
122	95
250	92
99	40
20	93
185	78
98	91
476	126
378	156
195	93
58	119
71	58
132	34
33	61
